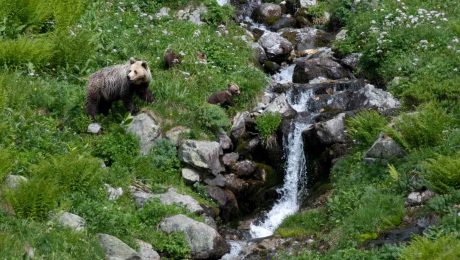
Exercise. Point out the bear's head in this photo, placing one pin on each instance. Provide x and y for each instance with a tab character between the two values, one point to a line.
139	72
234	89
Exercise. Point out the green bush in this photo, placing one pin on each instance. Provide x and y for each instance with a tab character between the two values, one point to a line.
117	147
443	173
425	127
267	124
365	126
212	117
303	224
447	247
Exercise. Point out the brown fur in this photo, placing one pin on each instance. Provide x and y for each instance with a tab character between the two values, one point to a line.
118	82
224	98
171	58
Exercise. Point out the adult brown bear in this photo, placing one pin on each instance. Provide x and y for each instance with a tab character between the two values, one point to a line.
118	82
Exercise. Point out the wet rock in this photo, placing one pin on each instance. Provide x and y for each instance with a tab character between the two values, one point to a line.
235	184
201	154
190	176
72	221
307	38
177	134
146	251
244	168
226	200
114	193
94	128
280	105
115	249
385	148
284	22
13	181
332	131
267	13
203	240
271	67
147	130
259	53
230	158
306	70
419	197
276	47
171	197
351	60
377	98
239	125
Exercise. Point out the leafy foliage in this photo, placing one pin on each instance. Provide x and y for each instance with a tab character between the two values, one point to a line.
447	247
364	128
267	124
443	173
212	117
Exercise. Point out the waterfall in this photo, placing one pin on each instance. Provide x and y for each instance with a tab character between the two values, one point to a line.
295	172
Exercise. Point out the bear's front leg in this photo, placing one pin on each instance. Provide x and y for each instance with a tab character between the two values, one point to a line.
145	94
129	105
92	107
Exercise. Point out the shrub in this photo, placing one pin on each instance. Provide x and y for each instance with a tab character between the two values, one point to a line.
267	124
447	247
117	147
365	126
303	224
424	128
443	173
212	117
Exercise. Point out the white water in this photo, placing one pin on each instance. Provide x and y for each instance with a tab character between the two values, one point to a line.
288	203
285	75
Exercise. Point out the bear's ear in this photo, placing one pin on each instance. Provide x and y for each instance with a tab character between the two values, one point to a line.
132	60
144	64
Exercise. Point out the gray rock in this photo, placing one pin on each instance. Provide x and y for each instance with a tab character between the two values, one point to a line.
306	38
230	158
204	241
332	131
202	154
351	60
171	197
267	13
224	140
94	128
227	201
192	14
285	21
259	53
239	125
72	221
235	184
244	168
115	249
308	69
385	148
147	129
419	197
218	181
13	181
114	193
190	176
341	35
307	3
177	134
280	105
378	98
275	45
146	251
163	12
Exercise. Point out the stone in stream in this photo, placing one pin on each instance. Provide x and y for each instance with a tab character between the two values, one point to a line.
204	241
332	131
308	69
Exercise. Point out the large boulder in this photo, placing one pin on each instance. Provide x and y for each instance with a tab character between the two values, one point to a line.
171	197
115	249
244	168
13	181
147	129
227	201
202	154
280	105
377	98
309	69
259	53
285	21
276	47
230	158
204	241
267	13
385	148
239	125
306	38
332	131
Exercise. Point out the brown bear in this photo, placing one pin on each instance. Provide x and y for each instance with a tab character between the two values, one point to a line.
224	98
118	82
170	58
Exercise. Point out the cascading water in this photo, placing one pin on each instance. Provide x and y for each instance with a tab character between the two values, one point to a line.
288	204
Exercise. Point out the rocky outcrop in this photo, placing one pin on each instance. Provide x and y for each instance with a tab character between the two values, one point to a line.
115	249
202	154
204	241
147	130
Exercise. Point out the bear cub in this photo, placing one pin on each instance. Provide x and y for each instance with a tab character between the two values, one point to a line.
118	82
224	98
